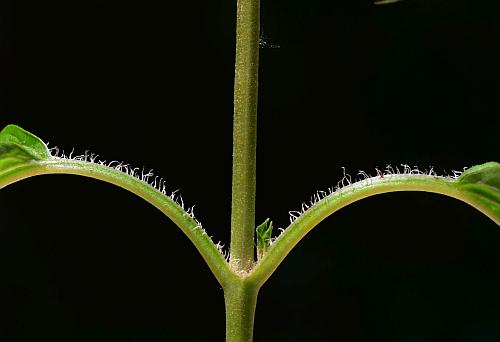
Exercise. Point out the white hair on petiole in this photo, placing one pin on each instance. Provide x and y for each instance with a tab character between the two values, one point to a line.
365	179
147	177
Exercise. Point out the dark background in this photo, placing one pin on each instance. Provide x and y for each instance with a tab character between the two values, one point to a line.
150	83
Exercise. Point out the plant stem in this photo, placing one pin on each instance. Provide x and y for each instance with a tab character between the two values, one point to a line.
241	300
244	135
240	295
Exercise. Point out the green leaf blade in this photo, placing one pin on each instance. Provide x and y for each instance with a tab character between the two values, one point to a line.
11	156
25	141
481	183
18	148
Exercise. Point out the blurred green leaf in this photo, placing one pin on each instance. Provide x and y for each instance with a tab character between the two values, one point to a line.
385	2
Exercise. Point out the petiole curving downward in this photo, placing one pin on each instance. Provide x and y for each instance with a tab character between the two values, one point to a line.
478	186
23	155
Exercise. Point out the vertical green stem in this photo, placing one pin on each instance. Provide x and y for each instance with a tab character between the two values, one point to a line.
240	295
244	135
241	300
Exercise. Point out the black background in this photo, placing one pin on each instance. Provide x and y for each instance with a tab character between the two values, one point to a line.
150	83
